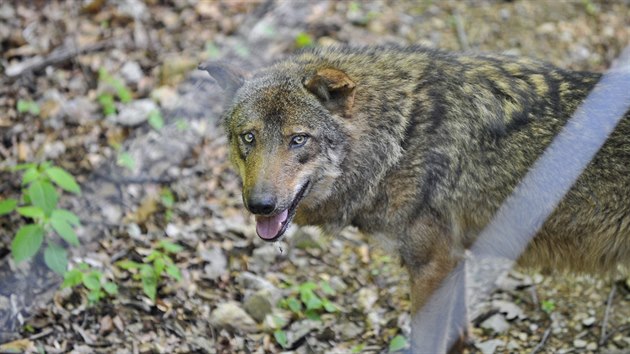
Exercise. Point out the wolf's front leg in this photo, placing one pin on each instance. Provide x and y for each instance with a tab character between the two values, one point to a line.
438	292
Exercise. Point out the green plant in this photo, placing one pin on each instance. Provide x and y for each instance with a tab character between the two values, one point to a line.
106	99
181	124
303	40
306	300
28	106
155	265
212	51
155	119
126	160
93	280
397	343
548	306
281	338
168	201
39	203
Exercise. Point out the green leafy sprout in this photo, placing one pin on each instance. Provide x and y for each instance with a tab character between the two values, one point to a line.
155	265
39	203
107	99
309	300
27	106
93	280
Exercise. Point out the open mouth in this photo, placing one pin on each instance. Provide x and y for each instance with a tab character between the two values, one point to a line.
270	228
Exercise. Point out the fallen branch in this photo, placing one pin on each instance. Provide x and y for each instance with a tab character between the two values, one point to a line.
611	296
57	56
540	345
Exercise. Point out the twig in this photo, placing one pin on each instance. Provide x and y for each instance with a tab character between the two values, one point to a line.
41	334
540	345
603	337
461	32
613	332
135	180
57	56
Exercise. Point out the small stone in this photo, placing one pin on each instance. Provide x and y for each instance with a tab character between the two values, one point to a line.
231	316
506	282
591	346
80	110
366	298
134	113
119	323
337	283
217	262
349	330
54	149
496	323
489	346
134	231
258	305
589	321
266	254
166	96
112	213
513	346
131	72
510	309
172	230
579	343
106	325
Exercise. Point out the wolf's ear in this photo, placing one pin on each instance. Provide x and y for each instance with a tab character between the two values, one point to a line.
333	88
227	76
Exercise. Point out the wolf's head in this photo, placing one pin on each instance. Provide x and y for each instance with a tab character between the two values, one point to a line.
288	138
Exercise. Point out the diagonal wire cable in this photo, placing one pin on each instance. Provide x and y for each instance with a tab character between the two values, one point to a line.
436	327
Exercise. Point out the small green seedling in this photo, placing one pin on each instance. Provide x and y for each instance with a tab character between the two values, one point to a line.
27	106
155	119
39	203
93	280
397	343
303	40
306	300
155	265
107	99
548	306
168	201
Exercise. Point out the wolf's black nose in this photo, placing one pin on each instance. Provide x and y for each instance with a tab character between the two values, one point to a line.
262	204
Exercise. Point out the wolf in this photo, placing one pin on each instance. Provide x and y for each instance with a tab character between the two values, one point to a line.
419	148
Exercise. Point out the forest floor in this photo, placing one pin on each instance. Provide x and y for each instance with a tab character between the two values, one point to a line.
155	168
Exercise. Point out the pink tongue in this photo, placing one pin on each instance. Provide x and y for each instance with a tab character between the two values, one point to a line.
268	227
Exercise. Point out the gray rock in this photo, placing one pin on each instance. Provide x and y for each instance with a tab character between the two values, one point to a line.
166	96
589	321
54	149
266	254
489	346
258	305
349	330
496	323
79	110
134	113
231	316
510	309
131	72
217	262
580	343
366	298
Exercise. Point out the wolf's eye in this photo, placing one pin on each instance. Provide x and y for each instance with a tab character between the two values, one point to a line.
299	140
248	138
